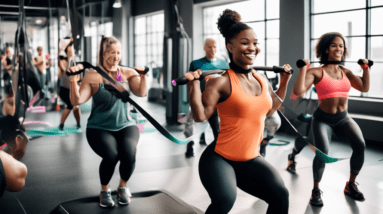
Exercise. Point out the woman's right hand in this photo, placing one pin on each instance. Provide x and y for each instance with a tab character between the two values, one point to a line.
74	69
193	75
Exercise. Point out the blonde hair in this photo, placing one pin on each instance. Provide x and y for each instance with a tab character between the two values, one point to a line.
105	43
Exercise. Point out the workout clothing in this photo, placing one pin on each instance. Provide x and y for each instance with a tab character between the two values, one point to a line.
329	87
109	112
257	177
65	79
114	146
323	125
2	179
65	97
242	121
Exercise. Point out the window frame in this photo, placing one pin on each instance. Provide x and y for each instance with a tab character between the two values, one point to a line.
264	20
368	9
148	43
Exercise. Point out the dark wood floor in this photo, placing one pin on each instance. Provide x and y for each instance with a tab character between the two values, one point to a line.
65	168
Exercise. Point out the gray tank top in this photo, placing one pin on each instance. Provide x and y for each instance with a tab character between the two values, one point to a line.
109	112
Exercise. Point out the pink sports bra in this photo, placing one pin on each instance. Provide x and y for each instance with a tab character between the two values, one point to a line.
329	87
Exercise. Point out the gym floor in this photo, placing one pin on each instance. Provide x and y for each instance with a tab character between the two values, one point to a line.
65	168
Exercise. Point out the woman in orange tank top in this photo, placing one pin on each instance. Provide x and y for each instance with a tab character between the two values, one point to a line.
332	83
243	99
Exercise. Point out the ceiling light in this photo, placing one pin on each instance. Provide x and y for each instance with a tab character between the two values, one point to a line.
39	21
117	4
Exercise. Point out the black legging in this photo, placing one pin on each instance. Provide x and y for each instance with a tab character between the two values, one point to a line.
221	176
114	146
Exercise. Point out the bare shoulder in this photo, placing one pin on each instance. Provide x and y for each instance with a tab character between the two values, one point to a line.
128	71
316	71
92	76
345	70
218	82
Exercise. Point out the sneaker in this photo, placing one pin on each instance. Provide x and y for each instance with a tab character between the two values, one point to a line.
292	167
352	190
123	195
316	199
106	199
61	127
202	139
189	149
79	130
262	149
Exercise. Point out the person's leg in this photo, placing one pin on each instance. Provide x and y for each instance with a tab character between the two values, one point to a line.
64	116
322	136
189	132
218	178
299	144
352	133
64	95
127	139
260	179
104	144
15	172
77	115
272	125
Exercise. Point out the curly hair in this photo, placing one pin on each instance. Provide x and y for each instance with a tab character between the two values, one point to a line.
324	43
229	24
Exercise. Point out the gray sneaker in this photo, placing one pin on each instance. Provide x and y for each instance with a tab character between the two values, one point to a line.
106	199
123	195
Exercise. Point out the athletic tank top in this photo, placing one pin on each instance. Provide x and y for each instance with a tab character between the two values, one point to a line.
242	121
329	87
109	112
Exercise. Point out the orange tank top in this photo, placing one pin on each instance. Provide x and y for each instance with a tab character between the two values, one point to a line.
242	121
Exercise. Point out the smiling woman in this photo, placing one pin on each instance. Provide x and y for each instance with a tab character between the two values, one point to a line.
111	132
234	160
333	83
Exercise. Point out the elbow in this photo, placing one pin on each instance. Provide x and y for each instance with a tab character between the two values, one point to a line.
198	119
297	92
365	89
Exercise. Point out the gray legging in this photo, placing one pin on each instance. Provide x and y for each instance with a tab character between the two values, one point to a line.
323	125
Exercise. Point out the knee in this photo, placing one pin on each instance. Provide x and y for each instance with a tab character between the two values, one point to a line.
361	146
223	204
111	159
18	182
279	195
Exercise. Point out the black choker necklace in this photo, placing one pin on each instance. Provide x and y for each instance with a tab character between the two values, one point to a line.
238	69
331	62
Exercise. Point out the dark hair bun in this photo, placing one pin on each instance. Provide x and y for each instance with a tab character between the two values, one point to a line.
227	20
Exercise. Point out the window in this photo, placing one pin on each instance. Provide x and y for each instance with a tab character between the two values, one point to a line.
148	40
360	23
95	30
261	15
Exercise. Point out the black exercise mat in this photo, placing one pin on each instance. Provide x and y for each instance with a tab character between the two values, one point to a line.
149	202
